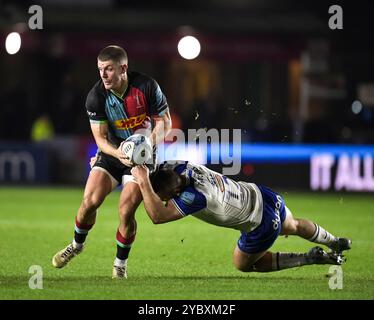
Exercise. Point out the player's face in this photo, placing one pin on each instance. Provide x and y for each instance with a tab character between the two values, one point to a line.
112	74
175	191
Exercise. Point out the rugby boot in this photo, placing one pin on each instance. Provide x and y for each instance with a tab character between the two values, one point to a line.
340	244
317	255
119	272
62	257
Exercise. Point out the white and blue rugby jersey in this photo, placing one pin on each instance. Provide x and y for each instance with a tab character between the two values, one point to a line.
217	199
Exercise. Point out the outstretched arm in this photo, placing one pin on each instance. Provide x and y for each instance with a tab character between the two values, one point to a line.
155	208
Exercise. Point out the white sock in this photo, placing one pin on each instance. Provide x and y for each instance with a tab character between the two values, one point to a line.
322	236
77	245
119	262
286	260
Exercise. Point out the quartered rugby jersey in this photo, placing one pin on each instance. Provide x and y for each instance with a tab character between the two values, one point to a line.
142	100
217	199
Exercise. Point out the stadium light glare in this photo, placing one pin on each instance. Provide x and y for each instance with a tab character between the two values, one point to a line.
13	43
356	107
189	47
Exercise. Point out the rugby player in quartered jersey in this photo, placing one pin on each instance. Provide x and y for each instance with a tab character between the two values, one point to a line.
256	211
119	104
141	102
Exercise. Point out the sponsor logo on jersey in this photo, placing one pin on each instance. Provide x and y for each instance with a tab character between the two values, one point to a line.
129	123
277	219
138	104
187	197
91	114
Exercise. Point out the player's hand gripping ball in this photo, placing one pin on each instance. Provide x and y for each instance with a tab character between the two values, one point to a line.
138	149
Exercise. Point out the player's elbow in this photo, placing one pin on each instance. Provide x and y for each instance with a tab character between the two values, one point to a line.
156	219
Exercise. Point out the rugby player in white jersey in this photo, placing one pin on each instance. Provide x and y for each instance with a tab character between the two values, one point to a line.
256	211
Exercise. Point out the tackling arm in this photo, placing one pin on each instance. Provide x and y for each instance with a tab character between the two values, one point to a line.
155	208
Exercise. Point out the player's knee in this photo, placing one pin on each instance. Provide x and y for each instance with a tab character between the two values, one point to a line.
128	206
242	265
295	226
291	227
127	211
91	202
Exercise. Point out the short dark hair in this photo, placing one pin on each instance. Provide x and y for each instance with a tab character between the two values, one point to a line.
114	53
164	181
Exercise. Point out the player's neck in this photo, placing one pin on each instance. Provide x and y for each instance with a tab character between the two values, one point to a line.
122	89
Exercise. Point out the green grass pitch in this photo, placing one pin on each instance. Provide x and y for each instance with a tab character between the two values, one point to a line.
181	260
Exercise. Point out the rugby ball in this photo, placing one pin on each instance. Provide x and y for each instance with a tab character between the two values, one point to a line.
138	149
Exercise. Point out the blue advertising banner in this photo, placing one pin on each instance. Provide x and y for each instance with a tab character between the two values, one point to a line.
323	167
308	166
23	163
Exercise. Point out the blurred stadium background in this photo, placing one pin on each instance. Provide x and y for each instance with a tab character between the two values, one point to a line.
301	93
273	69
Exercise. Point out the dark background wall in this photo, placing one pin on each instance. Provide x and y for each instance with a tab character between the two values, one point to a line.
271	68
